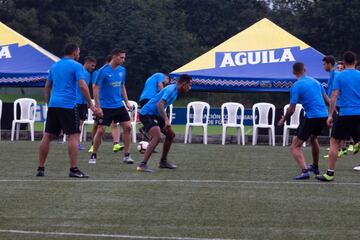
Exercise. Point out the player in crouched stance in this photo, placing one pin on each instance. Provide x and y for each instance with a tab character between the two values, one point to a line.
156	121
310	93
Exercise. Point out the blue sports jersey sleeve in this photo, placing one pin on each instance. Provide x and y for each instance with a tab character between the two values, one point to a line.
79	73
50	75
161	78
100	78
336	82
294	99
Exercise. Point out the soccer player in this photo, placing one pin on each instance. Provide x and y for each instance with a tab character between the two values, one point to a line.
310	93
154	84
109	94
89	66
114	128
347	89
60	95
340	66
329	66
156	121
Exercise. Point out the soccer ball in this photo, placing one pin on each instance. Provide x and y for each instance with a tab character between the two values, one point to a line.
142	146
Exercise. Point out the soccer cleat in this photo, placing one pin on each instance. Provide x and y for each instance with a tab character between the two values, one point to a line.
342	153
78	174
144	133
40	172
117	147
356	148
350	148
92	160
357	168
128	160
166	164
314	169
326	156
91	149
144	168
325	178
302	176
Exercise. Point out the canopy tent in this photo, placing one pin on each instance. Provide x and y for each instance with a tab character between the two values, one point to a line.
22	62
259	58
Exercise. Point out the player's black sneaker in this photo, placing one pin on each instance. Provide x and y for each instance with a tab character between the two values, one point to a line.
40	172
76	173
166	164
314	169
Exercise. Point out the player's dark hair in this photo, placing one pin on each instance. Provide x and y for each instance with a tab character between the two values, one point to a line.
108	58
329	59
89	59
184	78
70	48
117	51
298	67
349	58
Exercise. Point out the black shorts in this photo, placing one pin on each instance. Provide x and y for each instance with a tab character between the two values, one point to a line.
310	126
83	111
143	102
150	121
346	127
117	115
65	119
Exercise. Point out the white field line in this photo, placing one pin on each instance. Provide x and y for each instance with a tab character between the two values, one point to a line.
177	181
103	235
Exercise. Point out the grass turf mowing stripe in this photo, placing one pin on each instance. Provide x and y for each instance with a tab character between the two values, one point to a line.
104	235
305	182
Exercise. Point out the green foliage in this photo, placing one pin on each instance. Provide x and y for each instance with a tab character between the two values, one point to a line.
163	35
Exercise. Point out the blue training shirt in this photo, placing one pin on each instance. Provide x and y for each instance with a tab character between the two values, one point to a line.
94	76
110	81
151	86
348	84
330	83
79	96
169	94
64	76
309	92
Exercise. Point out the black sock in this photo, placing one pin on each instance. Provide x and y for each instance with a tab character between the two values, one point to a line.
92	143
41	168
315	165
163	159
142	163
304	170
115	143
330	172
93	155
344	149
74	169
127	154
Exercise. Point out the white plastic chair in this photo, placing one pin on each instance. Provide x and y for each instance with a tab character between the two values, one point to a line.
264	111
197	120
88	121
133	118
45	115
232	109
294	122
0	116
27	116
170	107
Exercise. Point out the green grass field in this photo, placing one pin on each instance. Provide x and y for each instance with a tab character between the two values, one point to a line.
217	192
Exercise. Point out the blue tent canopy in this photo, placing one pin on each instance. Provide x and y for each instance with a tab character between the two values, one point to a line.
22	62
260	58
